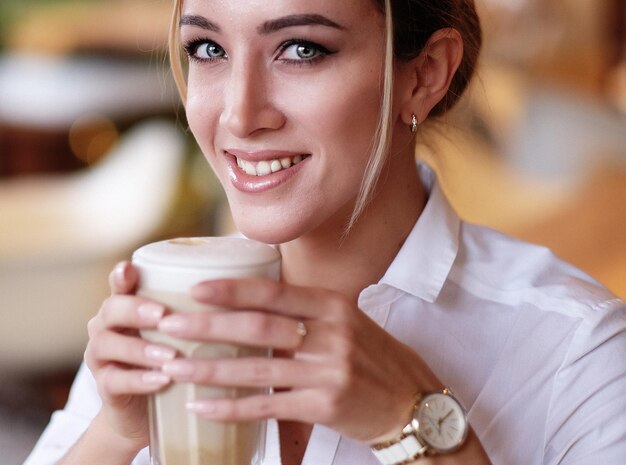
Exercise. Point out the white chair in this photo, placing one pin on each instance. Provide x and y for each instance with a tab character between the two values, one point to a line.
61	235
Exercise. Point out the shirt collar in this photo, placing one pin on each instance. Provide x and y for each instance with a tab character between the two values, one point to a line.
426	257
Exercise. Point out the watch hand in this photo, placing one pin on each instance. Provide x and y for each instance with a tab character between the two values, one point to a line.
434	426
441	420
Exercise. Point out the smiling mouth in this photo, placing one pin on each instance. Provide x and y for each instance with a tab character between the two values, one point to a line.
267	167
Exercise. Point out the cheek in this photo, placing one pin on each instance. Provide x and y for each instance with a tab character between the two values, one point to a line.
205	92
199	113
346	117
202	113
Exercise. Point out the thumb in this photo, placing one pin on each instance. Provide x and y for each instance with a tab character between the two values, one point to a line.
124	278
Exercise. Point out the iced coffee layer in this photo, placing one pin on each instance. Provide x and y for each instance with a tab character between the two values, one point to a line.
182	438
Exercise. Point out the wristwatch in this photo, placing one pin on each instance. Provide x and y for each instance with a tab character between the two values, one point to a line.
439	426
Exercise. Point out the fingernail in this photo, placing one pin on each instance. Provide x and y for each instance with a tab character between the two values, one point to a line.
160	354
204	291
179	368
121	272
155	378
151	312
174	324
203	407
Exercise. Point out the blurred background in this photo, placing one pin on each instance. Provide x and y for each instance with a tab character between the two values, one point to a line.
95	160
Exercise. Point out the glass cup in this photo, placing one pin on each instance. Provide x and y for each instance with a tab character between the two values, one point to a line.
167	271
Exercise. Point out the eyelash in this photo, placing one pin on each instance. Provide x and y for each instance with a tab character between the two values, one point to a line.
191	49
322	52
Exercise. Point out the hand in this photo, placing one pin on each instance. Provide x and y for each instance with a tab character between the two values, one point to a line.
347	373
126	367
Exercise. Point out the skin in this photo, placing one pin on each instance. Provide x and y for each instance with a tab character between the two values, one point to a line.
252	97
347	373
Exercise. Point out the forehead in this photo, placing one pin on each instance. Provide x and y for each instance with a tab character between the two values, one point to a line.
349	12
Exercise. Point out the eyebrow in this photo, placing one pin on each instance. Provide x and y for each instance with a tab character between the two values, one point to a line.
296	20
267	27
199	21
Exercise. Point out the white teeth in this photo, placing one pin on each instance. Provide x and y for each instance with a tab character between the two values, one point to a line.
248	168
265	167
276	166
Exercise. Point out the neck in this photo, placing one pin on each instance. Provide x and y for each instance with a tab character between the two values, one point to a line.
329	259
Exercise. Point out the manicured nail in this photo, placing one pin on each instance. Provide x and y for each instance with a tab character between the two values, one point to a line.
174	324
179	368
151	312
121	272
205	291
155	378
160	354
202	407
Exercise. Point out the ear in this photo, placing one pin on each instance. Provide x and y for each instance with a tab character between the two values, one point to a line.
426	78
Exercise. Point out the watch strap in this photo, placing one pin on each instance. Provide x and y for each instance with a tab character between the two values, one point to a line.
403	450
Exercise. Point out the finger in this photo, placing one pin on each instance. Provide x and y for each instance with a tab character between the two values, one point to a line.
123	279
297	405
115	381
265	294
258	329
129	350
248	372
125	311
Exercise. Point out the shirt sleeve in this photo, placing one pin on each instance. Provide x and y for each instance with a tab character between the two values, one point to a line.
66	426
587	413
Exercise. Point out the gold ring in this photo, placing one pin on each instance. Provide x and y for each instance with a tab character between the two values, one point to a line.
301	329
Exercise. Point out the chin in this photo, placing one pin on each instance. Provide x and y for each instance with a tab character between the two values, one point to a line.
279	224
267	231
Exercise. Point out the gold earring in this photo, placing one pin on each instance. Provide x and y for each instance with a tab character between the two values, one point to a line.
414	123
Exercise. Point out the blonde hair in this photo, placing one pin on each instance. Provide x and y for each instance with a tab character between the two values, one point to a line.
381	140
175	51
381	143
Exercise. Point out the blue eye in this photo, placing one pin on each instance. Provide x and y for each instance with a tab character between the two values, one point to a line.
302	51
210	51
205	50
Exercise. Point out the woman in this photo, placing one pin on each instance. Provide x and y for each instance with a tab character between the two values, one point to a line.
308	117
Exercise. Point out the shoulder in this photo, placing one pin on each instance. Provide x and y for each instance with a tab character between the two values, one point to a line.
545	294
569	331
516	273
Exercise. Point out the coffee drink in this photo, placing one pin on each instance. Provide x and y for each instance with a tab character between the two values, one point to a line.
168	269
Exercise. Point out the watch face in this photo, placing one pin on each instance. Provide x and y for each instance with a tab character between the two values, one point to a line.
442	422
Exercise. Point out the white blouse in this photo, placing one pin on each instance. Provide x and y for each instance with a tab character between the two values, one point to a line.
534	349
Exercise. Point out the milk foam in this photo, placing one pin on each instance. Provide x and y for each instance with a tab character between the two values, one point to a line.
176	265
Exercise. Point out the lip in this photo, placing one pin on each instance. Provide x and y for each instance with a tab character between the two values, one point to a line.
258	184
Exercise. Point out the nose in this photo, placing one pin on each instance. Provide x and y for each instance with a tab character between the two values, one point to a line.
248	106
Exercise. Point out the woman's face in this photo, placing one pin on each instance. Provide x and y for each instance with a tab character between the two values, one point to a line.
284	100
